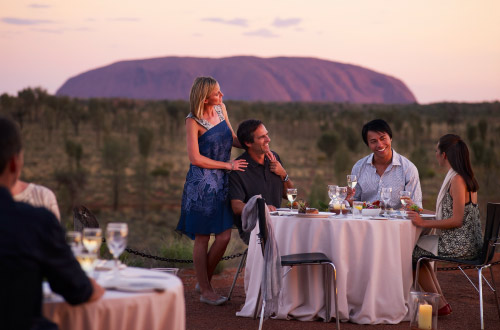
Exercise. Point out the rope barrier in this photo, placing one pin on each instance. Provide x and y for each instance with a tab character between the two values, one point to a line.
174	260
237	255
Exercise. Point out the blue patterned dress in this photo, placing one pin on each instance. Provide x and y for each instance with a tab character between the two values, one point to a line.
206	208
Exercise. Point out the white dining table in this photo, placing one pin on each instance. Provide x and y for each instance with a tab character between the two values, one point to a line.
160	309
372	258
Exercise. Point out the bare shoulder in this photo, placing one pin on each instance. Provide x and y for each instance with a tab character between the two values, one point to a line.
458	186
223	107
458	180
192	125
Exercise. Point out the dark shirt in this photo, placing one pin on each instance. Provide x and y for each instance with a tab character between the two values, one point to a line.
257	179
33	247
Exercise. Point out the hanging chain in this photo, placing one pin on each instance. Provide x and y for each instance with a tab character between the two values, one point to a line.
237	255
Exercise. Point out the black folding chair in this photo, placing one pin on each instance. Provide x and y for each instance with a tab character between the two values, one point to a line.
301	259
483	261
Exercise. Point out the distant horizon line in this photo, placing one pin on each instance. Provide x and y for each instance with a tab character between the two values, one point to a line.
138	99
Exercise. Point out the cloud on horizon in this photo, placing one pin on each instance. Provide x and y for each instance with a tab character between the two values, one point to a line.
39	5
61	30
25	21
264	33
283	23
125	19
235	21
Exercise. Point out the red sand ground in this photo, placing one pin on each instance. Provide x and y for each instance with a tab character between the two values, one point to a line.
461	295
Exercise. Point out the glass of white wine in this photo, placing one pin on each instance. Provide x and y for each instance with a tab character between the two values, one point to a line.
385	195
352	180
116	239
404	197
291	194
92	239
87	261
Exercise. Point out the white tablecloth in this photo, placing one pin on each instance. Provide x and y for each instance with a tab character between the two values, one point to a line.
125	310
373	261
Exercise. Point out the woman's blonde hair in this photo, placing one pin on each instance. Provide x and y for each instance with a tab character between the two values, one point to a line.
202	86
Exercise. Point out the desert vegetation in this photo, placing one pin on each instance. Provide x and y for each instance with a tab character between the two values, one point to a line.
126	160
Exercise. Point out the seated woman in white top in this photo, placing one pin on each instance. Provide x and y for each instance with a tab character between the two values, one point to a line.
36	195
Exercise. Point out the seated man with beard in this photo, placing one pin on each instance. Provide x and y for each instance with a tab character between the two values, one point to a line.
264	175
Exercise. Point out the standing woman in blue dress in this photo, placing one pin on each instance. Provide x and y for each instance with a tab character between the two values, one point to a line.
205	207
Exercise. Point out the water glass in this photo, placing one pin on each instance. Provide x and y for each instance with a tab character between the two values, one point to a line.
332	192
357	207
341	193
385	195
116	239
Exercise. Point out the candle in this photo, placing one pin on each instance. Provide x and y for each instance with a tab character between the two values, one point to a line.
425	317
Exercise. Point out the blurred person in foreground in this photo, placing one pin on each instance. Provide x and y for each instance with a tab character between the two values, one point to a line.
205	207
36	195
32	247
383	168
264	175
457	215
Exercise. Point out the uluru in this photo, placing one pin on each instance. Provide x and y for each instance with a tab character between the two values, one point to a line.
245	78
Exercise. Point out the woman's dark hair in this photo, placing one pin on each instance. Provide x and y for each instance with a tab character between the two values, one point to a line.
457	153
245	131
376	125
10	141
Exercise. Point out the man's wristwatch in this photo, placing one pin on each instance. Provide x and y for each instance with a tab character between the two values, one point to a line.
286	178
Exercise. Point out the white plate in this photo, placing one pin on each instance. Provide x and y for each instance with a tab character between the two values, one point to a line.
319	215
134	286
286	209
377	218
428	216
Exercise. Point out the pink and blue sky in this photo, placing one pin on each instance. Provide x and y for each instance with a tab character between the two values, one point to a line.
445	50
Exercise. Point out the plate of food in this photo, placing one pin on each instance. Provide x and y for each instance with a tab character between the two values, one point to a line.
371	209
313	213
134	286
318	215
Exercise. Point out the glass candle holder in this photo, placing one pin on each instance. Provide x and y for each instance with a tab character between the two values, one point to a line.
423	310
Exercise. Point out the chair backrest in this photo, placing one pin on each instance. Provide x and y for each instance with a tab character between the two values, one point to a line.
491	231
83	218
261	205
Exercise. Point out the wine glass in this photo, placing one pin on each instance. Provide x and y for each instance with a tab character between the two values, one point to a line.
352	180
87	261
116	239
341	193
74	240
385	194
92	239
404	197
332	191
291	194
341	196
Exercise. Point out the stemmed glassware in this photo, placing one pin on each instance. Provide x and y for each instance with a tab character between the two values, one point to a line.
341	193
116	239
92	239
352	180
385	194
332	192
291	194
341	196
404	196
74	240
